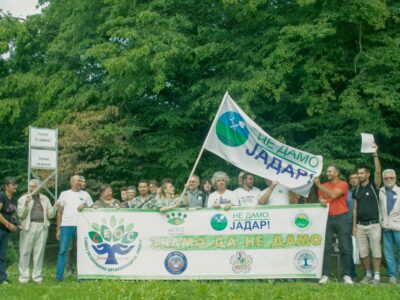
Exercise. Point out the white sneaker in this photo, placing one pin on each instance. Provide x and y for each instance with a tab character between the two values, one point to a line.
23	281
366	279
324	280
393	280
347	279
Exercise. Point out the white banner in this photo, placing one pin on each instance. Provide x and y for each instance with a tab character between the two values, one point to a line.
265	242
238	139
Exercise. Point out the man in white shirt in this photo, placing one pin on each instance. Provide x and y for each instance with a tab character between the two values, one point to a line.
274	194
248	194
70	203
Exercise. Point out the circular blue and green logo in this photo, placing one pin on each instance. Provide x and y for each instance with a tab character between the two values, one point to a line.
219	222
231	129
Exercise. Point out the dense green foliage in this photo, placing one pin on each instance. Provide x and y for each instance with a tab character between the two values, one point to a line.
134	85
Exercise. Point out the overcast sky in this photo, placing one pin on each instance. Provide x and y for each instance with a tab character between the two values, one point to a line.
19	8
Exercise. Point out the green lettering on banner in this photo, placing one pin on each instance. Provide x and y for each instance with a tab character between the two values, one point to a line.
282	150
234	242
303	240
267	142
278	243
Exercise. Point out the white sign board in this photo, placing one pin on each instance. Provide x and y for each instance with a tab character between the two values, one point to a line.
263	242
43	138
43	159
367	143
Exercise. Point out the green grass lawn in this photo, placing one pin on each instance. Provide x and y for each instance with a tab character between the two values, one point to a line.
221	290
243	289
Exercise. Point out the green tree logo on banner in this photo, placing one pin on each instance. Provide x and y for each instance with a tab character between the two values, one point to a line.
116	239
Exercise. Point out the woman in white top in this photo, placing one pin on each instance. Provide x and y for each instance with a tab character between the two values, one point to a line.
222	197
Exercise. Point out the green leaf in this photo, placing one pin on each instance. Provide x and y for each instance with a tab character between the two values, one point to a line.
113	222
129	227
95	227
118	233
106	233
95	237
129	237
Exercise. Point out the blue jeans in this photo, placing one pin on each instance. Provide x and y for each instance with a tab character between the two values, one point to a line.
390	238
3	254
67	234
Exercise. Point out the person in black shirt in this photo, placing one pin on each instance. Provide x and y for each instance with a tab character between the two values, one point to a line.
366	225
8	207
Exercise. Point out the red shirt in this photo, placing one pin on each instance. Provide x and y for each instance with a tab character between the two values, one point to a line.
337	206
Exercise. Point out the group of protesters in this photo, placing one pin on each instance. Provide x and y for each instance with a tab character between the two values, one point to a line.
365	210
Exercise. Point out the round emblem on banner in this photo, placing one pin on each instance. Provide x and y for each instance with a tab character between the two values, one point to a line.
175	263
302	221
219	222
305	261
231	129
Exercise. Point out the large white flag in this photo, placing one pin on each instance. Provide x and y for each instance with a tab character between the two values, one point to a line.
238	139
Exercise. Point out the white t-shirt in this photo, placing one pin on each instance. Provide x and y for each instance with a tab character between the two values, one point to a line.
279	196
227	197
247	198
70	201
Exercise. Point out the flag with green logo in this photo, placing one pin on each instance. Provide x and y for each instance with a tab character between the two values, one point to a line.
238	139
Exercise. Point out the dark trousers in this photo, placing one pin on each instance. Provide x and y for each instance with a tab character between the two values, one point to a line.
353	273
3	254
339	225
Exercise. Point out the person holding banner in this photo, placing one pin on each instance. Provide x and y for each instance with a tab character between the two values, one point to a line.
166	198
8	207
334	192
222	197
274	194
106	198
70	202
34	211
145	200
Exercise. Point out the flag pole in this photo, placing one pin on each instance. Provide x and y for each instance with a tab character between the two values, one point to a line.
202	150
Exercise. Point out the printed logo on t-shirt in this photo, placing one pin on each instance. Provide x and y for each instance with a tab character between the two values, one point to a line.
11	208
224	201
